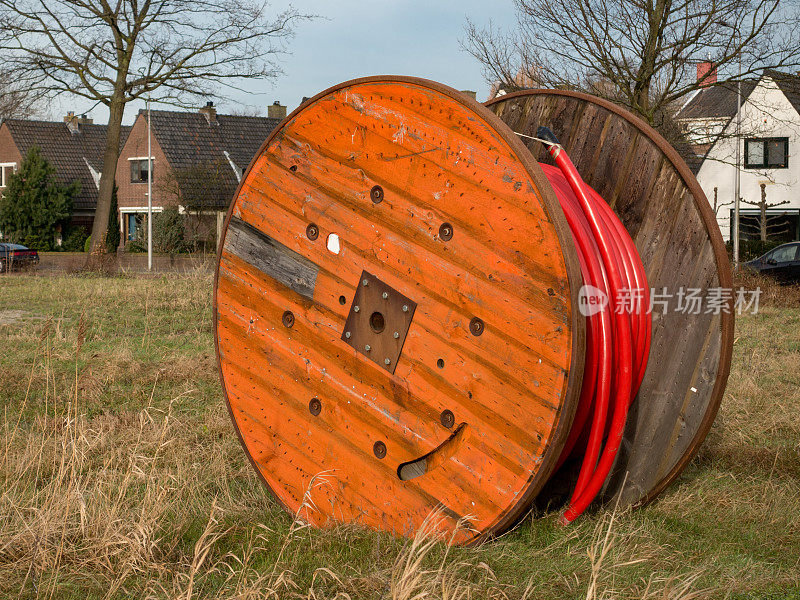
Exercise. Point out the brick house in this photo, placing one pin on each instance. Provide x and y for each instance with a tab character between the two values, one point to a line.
74	147
198	159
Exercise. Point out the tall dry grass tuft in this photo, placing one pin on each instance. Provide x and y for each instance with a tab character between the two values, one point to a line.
412	579
615	549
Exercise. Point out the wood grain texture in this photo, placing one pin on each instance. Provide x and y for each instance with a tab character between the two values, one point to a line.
439	157
660	203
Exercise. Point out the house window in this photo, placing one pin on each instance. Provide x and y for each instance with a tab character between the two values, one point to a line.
6	171
766	153
139	170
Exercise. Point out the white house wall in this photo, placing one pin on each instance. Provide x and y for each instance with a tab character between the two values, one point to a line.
765	113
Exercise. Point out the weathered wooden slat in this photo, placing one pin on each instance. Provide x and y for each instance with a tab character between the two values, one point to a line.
269	256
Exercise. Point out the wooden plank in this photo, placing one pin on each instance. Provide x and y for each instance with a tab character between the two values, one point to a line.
271	257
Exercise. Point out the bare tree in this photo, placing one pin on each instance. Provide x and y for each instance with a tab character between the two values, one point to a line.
114	52
768	225
202	189
639	53
717	205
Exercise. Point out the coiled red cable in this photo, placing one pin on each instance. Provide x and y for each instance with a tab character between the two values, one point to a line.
615	299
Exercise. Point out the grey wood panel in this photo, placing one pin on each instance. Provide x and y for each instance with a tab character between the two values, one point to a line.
271	257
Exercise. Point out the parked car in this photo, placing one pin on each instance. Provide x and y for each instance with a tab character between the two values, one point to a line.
782	263
17	256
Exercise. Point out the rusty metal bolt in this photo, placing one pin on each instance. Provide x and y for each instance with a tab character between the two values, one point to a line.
445	232
476	326
379	449
376	194
447	418
288	319
312	231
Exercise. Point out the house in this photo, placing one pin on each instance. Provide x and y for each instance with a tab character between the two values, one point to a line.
74	146
769	151
198	159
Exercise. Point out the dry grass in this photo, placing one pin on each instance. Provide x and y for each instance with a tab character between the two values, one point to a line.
120	477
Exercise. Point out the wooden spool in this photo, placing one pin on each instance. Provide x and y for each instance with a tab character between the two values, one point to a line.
663	208
435	361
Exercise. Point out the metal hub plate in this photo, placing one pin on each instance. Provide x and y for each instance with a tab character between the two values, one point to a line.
378	321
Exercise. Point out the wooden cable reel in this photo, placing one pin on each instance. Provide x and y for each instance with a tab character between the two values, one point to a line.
665	211
395	313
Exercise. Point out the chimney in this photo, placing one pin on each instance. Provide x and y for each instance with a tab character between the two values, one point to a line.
470	93
74	123
209	112
708	70
276	110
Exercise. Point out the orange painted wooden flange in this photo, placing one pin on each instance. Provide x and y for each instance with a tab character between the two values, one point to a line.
394	312
669	218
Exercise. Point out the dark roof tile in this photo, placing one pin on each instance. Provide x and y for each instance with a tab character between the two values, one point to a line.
188	140
68	152
716	102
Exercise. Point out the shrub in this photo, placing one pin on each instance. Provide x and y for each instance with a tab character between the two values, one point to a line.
135	247
112	235
35	203
75	240
168	231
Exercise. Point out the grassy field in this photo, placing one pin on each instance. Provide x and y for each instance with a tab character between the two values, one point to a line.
121	477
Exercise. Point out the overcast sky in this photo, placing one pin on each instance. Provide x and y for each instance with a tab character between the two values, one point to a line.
357	38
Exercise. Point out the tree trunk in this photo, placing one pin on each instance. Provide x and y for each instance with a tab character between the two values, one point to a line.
107	179
763	206
647	68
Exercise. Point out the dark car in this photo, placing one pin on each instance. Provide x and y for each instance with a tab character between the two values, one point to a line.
17	256
782	263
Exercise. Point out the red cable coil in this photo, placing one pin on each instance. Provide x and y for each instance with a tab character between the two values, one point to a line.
618	334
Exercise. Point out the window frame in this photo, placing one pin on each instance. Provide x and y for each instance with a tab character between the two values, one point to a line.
764	164
13	165
138	160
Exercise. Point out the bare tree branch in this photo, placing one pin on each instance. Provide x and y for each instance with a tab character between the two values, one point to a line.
639	53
